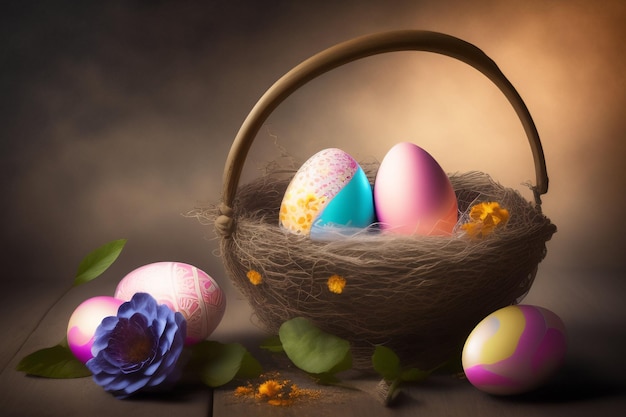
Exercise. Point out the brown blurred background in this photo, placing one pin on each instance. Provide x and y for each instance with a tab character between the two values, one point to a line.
116	118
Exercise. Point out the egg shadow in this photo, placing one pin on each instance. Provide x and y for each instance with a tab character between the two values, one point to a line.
575	383
593	369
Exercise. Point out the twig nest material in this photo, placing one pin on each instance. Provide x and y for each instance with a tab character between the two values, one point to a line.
419	295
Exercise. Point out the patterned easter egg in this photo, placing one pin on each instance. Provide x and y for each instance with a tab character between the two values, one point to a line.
329	194
181	287
85	320
514	350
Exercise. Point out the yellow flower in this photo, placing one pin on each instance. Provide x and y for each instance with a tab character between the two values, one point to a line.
270	389
277	392
336	284
254	277
484	218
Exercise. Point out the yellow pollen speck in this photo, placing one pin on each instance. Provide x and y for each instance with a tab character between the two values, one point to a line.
336	284
254	277
244	391
276	392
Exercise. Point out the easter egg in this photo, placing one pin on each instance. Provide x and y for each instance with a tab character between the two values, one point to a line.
412	194
85	320
329	194
183	288
514	350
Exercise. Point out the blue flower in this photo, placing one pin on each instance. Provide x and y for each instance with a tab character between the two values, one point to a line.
139	348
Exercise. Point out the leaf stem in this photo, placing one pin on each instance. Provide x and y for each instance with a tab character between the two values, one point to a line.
37	325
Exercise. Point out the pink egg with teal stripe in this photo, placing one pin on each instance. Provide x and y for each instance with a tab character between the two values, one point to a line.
329	196
85	320
514	350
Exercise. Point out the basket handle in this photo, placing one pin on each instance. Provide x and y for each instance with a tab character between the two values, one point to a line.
361	47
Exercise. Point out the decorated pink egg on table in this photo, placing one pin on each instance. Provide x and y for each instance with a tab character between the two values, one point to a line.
330	196
413	195
183	288
514	350
85	320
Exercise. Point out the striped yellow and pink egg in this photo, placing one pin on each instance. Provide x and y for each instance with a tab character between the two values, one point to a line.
514	350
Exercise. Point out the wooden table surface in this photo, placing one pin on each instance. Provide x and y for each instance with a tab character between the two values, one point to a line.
592	382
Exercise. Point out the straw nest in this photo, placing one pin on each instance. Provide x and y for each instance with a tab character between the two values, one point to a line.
420	296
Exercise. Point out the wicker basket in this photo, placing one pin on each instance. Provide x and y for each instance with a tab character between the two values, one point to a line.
420	296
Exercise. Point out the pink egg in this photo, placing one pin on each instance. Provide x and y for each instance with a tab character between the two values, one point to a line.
182	287
514	350
85	320
413	195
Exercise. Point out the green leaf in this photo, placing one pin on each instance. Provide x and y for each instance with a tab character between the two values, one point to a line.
250	367
64	343
414	375
217	364
345	363
452	365
96	262
313	350
272	344
54	362
386	363
326	378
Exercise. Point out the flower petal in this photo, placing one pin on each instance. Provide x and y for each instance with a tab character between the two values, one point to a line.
138	348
